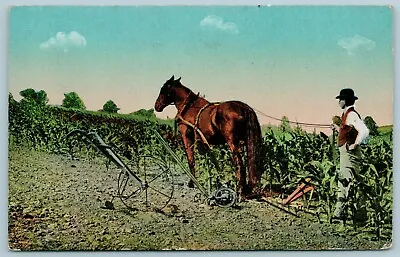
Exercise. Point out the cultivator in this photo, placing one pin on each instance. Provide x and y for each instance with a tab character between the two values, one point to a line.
149	181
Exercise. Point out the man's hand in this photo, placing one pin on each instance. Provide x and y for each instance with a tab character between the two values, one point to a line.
335	127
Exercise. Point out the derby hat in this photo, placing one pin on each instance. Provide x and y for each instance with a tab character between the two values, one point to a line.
346	93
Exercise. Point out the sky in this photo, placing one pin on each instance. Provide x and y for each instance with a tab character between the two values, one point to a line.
282	60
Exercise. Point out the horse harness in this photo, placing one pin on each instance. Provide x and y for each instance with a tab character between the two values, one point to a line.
179	119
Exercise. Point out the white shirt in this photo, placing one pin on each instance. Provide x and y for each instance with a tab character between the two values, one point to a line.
355	121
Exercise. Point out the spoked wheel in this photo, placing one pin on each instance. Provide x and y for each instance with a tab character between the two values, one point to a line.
156	189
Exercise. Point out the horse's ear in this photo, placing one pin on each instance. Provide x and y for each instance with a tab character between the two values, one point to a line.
172	78
179	80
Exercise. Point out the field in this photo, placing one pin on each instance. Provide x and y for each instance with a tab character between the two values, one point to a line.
55	205
55	200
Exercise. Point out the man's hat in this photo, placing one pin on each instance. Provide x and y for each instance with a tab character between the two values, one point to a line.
346	93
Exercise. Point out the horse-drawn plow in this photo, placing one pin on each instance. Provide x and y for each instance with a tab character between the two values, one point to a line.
148	181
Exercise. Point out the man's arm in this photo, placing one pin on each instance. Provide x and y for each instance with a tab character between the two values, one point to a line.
358	124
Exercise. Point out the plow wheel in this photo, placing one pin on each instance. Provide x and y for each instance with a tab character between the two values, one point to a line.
224	197
157	185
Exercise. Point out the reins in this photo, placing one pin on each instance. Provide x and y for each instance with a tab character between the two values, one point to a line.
316	125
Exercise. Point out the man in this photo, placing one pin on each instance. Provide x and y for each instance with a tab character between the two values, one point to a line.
352	133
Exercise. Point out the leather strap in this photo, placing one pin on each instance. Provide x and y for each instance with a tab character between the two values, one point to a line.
203	138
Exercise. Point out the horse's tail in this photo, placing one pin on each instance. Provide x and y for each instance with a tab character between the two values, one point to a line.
254	146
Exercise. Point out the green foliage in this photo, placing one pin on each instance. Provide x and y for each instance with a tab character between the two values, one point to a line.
147	114
215	168
287	154
111	107
373	190
73	101
11	99
385	129
38	97
290	155
285	124
289	160
28	93
371	125
41	97
45	128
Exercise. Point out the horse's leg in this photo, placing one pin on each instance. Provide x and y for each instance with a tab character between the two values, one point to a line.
188	143
240	169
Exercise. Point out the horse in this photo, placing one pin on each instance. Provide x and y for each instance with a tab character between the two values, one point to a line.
231	122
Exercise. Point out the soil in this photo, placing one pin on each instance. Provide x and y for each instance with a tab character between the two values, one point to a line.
55	204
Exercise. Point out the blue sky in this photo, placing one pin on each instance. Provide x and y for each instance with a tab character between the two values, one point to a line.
282	60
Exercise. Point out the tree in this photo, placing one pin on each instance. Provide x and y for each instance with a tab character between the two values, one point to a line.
371	125
110	106
72	100
30	95
11	100
41	97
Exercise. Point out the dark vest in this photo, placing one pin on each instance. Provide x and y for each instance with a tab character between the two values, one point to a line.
347	134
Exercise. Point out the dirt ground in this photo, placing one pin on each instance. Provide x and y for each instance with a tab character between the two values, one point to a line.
55	204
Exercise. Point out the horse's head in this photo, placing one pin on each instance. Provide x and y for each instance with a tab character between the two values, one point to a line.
167	94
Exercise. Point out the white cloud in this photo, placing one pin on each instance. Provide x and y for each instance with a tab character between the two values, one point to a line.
64	42
357	43
217	22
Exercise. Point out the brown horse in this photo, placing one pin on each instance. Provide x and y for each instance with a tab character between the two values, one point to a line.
231	122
